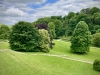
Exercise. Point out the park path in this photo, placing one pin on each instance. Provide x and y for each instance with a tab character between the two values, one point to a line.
53	55
65	57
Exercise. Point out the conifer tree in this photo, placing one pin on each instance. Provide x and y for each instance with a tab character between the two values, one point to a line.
81	38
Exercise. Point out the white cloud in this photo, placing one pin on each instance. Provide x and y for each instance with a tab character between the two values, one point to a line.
15	12
27	1
11	11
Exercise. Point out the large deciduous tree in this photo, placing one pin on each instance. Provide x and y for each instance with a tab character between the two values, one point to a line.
24	37
81	38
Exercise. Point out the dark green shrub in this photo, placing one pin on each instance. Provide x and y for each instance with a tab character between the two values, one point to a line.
24	37
96	39
96	65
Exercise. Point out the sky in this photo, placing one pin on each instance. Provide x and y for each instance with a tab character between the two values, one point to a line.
12	11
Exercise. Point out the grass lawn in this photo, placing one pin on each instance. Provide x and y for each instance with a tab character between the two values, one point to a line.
27	63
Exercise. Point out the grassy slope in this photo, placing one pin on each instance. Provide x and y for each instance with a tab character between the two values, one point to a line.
21	63
63	47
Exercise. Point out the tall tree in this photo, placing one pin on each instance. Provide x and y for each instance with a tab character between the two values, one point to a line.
24	37
58	27
51	27
81	38
72	24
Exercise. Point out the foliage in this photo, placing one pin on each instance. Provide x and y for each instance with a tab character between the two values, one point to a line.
42	26
4	32
72	24
81	38
45	20
58	27
70	15
24	37
98	31
56	17
96	65
96	18
45	26
86	11
44	43
96	27
51	27
94	10
96	39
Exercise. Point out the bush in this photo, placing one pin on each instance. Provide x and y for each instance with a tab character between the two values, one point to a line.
96	65
96	39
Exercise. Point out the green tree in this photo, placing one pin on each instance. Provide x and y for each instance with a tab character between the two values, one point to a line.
96	18
81	38
4	32
58	27
81	17
98	31
94	10
56	17
72	25
96	39
70	15
51	27
24	37
86	11
44	43
45	20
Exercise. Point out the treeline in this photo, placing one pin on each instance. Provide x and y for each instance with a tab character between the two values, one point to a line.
65	25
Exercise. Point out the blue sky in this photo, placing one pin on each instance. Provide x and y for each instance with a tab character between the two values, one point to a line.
33	5
12	11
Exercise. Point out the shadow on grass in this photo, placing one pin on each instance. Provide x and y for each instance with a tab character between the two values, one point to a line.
78	53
